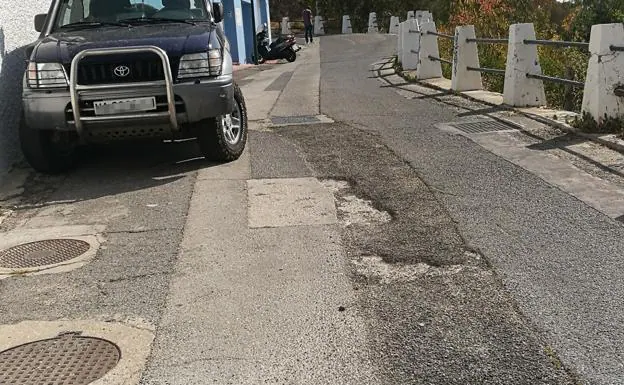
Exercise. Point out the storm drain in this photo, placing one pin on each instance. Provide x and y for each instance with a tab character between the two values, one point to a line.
64	360
483	126
42	253
286	120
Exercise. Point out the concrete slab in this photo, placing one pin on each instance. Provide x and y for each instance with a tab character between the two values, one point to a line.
485	96
238	170
290	202
301	95
439	83
251	306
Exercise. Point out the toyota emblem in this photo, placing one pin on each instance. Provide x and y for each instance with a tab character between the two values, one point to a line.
121	71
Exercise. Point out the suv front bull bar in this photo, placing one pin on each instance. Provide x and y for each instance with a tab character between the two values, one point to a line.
75	88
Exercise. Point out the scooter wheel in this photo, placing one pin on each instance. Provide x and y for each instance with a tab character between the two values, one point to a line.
291	56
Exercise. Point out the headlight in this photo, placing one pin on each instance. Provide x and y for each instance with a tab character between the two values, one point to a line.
46	75
200	65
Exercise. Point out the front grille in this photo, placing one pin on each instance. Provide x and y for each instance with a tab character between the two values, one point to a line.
101	70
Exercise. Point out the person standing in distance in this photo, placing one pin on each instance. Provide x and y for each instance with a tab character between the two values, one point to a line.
307	23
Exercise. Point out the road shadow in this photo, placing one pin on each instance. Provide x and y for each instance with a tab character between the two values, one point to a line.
116	168
559	142
562	142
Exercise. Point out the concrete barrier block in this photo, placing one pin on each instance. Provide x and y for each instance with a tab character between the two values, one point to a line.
400	41
604	73
465	55
394	25
410	15
319	25
372	23
285	26
411	45
427	68
346	25
522	59
423	17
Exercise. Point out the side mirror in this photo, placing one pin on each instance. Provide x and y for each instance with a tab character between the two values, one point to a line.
40	21
217	10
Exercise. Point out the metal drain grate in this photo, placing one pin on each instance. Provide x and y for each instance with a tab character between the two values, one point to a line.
42	253
277	120
482	126
67	359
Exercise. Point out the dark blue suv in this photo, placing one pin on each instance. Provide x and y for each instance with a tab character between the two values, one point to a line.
107	70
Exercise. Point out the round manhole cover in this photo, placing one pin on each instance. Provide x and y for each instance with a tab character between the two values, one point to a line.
67	359
42	253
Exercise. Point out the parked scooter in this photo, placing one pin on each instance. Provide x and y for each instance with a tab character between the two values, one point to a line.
282	48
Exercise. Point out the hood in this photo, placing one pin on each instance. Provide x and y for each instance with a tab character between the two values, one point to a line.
175	38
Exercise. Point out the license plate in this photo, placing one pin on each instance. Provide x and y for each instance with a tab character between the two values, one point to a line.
122	106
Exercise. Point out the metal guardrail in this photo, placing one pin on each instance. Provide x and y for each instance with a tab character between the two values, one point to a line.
442	35
557	80
488	41
433	58
487	70
557	43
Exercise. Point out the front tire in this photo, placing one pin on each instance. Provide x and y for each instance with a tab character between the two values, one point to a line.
45	151
225	138
291	55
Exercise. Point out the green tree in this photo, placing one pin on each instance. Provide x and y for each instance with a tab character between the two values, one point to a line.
592	12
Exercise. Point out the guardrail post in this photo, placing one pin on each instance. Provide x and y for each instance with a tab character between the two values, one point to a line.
346	25
427	68
411	15
605	73
372	23
465	55
394	25
319	25
400	41
285	26
522	59
411	45
424	17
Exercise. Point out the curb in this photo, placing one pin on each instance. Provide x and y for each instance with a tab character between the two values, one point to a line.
609	141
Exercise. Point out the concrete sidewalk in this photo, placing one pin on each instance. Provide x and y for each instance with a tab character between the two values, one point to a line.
259	282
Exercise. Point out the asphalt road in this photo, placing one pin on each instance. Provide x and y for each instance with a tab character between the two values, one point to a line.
462	268
559	259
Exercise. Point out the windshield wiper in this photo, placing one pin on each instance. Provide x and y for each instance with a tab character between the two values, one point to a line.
88	24
157	20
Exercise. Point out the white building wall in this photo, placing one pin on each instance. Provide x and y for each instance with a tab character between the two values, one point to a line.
16	31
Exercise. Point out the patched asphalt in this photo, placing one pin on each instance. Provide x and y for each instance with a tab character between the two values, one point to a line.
559	259
442	315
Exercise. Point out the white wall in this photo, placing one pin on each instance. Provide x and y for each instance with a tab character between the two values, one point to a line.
16	31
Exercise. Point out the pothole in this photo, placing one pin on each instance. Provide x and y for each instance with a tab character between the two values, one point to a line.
352	209
66	359
374	267
42	253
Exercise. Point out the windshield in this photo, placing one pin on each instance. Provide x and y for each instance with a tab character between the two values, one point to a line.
85	12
